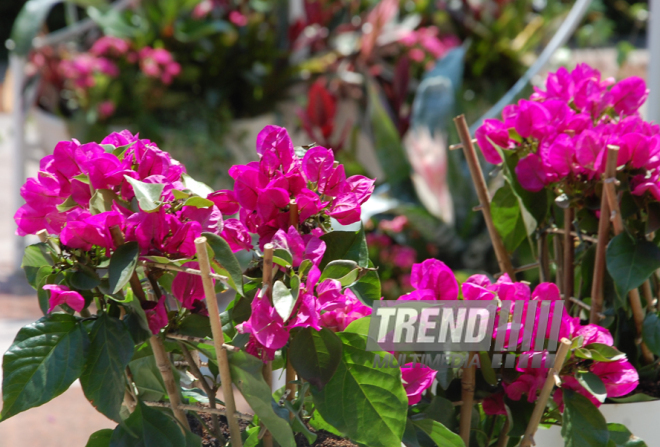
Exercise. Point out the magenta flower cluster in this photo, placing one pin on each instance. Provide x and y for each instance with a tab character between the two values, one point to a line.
561	133
433	280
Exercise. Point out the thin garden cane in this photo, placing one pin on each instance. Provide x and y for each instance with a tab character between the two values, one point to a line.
548	386
218	341
267	281
162	360
617	222
468	381
601	245
290	372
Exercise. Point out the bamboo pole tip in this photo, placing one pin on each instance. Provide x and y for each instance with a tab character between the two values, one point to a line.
268	247
459	118
200	240
43	235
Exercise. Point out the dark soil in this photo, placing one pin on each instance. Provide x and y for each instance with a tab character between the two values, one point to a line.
649	387
324	438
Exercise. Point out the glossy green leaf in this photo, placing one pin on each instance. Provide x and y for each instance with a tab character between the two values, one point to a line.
110	351
35	257
67	205
592	383
246	373
283	301
347	245
148	427
508	217
651	333
46	357
345	271
440	434
100	438
315	355
639	397
82	277
367	288
197	188
583	425
146	376
630	262
225	257
198	202
147	194
443	411
367	404
620	436
282	257
600	353
122	266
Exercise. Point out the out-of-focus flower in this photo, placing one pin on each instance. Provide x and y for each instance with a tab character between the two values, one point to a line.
63	295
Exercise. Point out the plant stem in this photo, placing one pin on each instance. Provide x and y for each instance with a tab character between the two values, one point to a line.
267	281
467	396
617	223
162	359
484	198
569	256
218	341
207	389
542	400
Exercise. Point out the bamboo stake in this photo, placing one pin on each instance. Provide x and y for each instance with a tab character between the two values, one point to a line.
290	375
559	262
293	214
617	222
43	235
569	256
648	295
218	341
267	281
544	259
548	386
162	359
482	193
467	396
581	236
601	245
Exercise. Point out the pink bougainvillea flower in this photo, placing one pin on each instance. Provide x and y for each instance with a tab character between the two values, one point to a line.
276	139
361	186
560	155
492	132
188	288
345	313
620	377
156	314
628	95
532	119
317	164
225	200
236	235
531	173
308	314
494	404
593	333
571	383
63	295
345	208
416	379
265	324
210	219
434	275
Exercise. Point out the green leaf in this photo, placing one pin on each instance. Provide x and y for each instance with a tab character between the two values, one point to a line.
367	404
83	277
583	425
346	272
35	257
318	423
282	257
197	188
122	266
508	218
620	436
100	438
440	434
198	202
316	355
639	397
147	427
443	411
630	262
110	350
518	412
147	194
196	325
146	376
389	148
599	352
67	205
102	200
283	301
367	289
225	257
592	383
46	357
651	333
345	245
359	326
246	373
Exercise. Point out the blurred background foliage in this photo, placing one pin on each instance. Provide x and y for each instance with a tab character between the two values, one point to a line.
378	81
